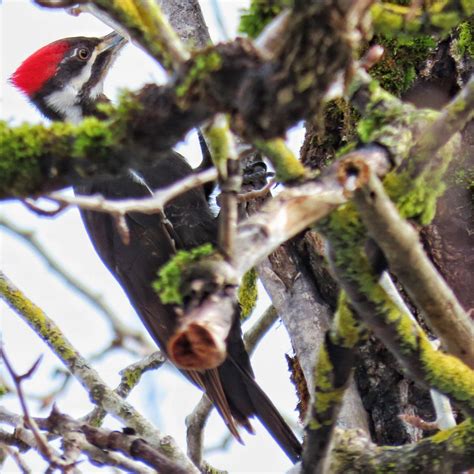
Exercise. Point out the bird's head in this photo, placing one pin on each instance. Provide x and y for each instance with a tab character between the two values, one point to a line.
65	79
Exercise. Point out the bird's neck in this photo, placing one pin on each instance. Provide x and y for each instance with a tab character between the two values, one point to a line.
64	105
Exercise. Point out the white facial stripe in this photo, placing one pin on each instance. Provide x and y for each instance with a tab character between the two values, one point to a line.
64	103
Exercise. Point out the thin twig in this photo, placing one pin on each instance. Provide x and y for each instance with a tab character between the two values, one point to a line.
44	447
99	392
121	331
130	377
19	461
149	205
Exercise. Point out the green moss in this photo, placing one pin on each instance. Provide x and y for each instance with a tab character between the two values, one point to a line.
27	151
465	40
397	70
20	148
93	138
168	284
447	373
204	63
261	12
415	199
248	293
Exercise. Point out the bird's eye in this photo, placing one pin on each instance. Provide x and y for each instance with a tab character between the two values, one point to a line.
83	53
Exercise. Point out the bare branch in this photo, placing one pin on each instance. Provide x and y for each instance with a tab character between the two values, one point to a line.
44	448
131	376
149	205
195	423
20	462
255	333
99	392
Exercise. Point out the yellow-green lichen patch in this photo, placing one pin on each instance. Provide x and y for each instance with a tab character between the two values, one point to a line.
325	400
35	317
347	234
448	374
287	166
248	293
323	371
204	63
168	284
416	198
131	377
326	394
346	329
20	149
463	434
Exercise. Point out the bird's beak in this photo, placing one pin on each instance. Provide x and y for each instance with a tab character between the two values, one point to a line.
113	41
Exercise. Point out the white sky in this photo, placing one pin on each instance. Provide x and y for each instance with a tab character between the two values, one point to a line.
163	396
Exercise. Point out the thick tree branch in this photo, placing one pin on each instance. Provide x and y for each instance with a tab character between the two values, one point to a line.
447	451
406	258
335	361
225	78
402	336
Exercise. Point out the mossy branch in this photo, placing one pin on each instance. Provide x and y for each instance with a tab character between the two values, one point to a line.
405	339
100	394
286	164
149	27
331	378
448	451
407	259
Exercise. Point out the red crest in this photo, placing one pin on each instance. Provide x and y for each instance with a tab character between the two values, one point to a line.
39	67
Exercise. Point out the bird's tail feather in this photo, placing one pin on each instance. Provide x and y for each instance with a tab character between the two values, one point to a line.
270	417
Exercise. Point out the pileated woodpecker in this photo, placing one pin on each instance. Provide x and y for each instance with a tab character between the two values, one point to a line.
64	80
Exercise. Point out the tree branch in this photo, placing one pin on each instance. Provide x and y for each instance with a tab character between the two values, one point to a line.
120	330
333	371
402	336
447	451
100	394
402	248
